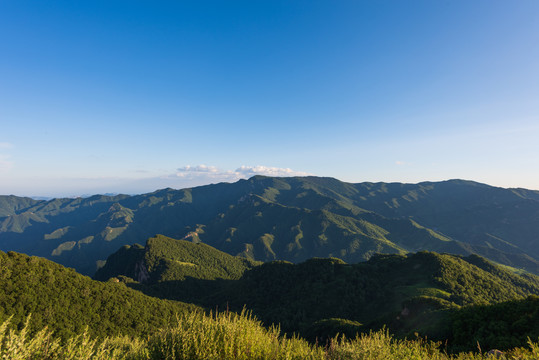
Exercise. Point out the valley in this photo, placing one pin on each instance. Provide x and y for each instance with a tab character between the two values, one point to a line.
314	259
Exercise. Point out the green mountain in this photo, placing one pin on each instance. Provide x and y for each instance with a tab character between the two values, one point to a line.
67	302
410	293
291	219
166	259
166	266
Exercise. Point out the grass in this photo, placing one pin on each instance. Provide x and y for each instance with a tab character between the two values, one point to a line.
228	336
15	345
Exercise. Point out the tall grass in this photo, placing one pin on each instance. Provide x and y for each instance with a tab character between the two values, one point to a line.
19	345
381	345
226	336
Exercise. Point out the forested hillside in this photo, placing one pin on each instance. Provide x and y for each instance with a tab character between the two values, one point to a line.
164	259
291	219
461	300
503	325
67	302
320	297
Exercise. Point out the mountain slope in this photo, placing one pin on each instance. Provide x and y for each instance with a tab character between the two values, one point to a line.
376	291
167	266
165	259
266	218
504	325
414	292
66	302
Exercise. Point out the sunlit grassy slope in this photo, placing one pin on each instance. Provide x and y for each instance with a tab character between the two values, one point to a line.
67	302
228	336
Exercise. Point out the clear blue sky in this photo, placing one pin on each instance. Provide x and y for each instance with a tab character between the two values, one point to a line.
132	96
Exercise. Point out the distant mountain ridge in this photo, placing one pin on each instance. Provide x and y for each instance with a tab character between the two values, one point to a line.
294	219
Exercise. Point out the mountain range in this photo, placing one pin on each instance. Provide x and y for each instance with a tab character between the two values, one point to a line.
291	219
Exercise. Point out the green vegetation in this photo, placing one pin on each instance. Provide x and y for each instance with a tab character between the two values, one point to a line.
327	280
74	317
504	325
408	293
43	345
67	302
170	259
276	232
167	267
323	330
322	297
291	219
227	336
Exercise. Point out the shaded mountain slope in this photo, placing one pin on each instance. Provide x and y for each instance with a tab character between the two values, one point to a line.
471	212
373	292
504	325
259	229
294	219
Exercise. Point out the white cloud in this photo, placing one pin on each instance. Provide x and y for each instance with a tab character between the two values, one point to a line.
5	145
199	170
192	176
207	174
249	171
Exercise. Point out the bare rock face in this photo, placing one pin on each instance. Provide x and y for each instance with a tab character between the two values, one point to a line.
141	273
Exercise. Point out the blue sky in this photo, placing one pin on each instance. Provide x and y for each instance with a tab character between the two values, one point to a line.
132	96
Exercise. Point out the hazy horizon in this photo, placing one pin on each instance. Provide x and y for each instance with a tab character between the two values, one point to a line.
127	97
104	191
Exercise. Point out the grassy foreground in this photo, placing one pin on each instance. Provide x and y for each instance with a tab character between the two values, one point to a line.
227	336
